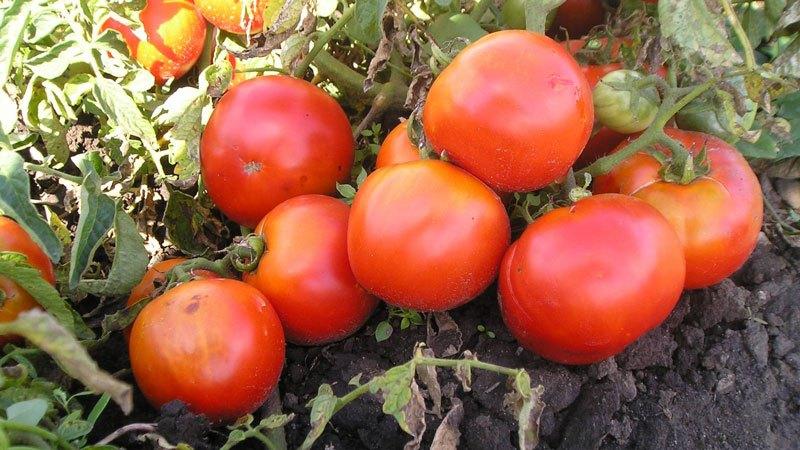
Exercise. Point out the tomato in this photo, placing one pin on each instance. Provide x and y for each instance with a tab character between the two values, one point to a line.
619	109
305	272
175	34
238	77
717	216
228	14
598	69
14	238
577	17
426	235
513	109
217	345
602	142
397	148
270	139
584	281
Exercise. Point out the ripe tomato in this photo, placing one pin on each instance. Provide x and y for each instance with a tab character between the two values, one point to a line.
305	272
717	216
513	109
175	34
584	281
229	15
397	148
426	235
577	17
270	139
13	238
217	345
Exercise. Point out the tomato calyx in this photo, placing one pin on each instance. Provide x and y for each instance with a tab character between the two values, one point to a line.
683	168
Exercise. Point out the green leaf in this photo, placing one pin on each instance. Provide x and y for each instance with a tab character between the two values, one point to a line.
52	132
365	26
383	331
55	61
281	16
322	409
347	191
73	427
184	111
15	267
15	202
28	412
698	33
788	62
536	14
119	107
13	22
77	87
43	331
8	113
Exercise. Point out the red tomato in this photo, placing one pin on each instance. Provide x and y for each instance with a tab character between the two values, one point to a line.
305	272
217	345
229	15
577	17
717	216
426	235
13	238
584	281
513	109
270	139
175	33
397	148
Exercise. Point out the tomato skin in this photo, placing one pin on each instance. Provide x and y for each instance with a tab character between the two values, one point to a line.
175	32
217	345
397	148
584	281
524	132
717	216
270	139
226	14
577	17
305	272
14	238
426	235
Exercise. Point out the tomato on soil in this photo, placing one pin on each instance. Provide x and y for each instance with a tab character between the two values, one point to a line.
227	14
717	216
397	148
577	17
513	109
584	281
14	238
270	139
175	37
305	272
217	345
426	235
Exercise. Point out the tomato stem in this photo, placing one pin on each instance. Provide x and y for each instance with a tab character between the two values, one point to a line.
41	168
747	48
323	39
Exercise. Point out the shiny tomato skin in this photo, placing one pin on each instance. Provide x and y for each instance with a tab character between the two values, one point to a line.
14	238
217	345
577	17
584	281
512	108
717	216
226	14
426	235
305	272
397	148
270	139
175	33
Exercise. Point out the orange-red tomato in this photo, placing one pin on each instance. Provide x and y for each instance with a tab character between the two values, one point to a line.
577	17
270	139
229	15
426	235
175	36
13	238
217	345
584	281
305	272
513	109
397	148
717	216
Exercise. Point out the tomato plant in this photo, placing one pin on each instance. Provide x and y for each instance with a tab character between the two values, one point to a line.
528	129
234	16
584	281
272	138
175	33
623	107
717	215
426	235
217	345
397	148
305	272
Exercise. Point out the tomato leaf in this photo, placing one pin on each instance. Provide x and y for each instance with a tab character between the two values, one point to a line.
184	111
322	409
13	21
55	61
184	218
365	26
43	331
536	12
383	331
697	33
15	202
27	412
281	16
122	110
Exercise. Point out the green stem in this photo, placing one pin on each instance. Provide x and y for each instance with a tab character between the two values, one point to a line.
44	434
209	49
323	39
480	9
41	168
475	364
749	57
264	440
352	395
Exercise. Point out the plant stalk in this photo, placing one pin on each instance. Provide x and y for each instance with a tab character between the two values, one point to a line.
323	39
747	48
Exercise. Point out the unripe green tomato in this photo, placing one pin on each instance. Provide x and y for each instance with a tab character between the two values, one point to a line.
617	108
513	15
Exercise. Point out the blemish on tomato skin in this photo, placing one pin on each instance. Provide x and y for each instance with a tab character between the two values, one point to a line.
252	167
192	307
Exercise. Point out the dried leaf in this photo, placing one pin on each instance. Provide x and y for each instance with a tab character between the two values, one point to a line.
698	33
414	418
390	25
428	375
421	73
448	435
463	372
448	340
